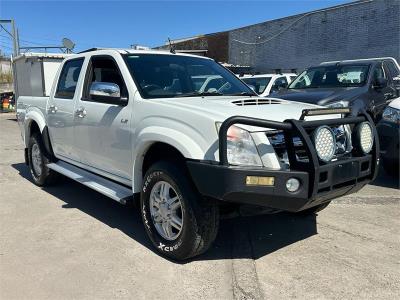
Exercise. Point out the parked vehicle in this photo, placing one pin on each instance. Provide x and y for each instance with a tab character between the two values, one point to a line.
389	135
265	84
131	125
364	84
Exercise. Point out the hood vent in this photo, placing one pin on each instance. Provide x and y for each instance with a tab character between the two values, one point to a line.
257	101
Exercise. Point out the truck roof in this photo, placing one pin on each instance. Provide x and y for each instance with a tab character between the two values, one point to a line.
134	51
364	61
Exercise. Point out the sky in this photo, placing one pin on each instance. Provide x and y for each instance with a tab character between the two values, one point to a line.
123	23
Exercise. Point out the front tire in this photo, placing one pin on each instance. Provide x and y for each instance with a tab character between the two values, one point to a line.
179	222
38	160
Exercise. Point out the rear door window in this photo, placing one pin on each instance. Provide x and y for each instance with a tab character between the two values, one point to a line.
69	78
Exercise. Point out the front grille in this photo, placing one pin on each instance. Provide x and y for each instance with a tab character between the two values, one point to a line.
277	140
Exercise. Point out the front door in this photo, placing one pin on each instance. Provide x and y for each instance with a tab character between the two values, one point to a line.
380	95
60	110
102	125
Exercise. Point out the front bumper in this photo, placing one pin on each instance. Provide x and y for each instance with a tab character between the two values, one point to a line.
319	182
228	183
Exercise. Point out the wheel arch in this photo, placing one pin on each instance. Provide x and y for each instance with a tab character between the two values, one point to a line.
34	122
156	150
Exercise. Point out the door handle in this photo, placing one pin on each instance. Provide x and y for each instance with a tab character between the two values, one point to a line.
52	109
81	112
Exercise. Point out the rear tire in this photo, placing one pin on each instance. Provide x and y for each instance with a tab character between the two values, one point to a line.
168	199
38	160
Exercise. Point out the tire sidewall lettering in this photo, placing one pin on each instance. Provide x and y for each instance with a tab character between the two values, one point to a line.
162	244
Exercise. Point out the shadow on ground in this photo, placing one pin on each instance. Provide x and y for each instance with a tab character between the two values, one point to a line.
242	237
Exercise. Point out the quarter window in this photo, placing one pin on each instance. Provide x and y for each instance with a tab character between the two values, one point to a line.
69	78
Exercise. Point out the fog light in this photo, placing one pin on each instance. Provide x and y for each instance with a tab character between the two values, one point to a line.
292	185
325	143
365	136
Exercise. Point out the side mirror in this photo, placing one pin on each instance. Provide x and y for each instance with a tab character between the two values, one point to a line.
106	92
380	83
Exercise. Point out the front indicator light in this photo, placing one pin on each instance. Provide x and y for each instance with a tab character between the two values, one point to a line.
260	180
292	185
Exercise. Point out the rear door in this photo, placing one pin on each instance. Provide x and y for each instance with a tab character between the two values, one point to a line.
102	125
60	110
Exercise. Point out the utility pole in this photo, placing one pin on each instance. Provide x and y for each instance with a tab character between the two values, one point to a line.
13	34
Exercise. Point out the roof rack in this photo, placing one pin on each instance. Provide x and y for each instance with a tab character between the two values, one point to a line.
96	49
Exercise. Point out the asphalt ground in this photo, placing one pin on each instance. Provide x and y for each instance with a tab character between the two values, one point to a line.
69	242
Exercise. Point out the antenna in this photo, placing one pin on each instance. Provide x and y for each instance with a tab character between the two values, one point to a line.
68	44
171	47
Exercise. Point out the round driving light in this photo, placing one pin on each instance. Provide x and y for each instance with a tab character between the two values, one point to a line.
365	137
325	143
292	185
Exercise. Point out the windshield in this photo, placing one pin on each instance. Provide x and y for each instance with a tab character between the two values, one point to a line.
170	75
331	76
258	84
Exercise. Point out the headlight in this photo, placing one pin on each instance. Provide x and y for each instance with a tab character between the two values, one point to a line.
338	104
391	114
325	143
241	148
365	137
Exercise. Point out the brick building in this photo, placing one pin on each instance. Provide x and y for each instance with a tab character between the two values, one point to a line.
359	29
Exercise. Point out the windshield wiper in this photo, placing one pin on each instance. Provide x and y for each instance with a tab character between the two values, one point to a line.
194	94
243	94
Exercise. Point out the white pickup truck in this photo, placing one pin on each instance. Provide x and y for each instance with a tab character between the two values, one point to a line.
132	125
266	84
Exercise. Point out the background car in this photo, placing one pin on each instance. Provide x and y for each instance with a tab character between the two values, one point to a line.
365	84
389	131
265	84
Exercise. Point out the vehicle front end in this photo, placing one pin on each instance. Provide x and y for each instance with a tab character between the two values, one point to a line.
318	160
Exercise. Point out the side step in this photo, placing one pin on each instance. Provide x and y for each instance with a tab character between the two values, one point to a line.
106	187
